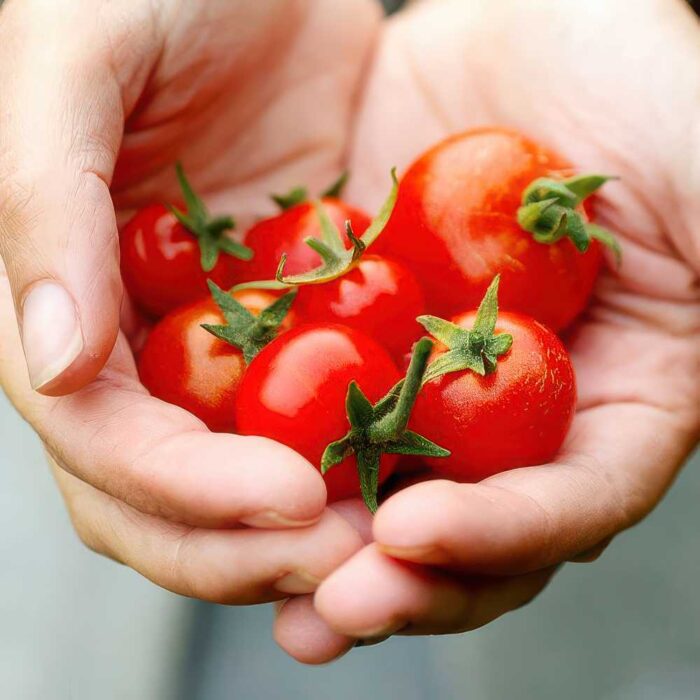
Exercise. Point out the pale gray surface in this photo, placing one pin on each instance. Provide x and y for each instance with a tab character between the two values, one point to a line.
624	628
76	626
72	625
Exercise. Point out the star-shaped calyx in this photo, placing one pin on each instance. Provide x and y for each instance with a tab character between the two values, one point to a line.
381	428
476	349
300	194
209	232
549	212
243	329
336	260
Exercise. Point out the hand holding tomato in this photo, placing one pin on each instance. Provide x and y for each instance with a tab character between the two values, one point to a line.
97	112
479	550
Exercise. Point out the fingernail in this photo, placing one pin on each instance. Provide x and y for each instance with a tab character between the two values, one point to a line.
271	519
297	582
409	553
51	333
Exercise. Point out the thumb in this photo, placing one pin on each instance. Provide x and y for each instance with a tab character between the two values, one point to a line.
62	123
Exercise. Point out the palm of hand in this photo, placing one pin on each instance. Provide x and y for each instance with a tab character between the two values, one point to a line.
288	113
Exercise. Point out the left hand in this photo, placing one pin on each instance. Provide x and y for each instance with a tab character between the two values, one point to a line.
450	557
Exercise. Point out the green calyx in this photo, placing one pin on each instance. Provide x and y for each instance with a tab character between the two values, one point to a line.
379	429
549	212
477	349
336	260
245	331
210	232
299	195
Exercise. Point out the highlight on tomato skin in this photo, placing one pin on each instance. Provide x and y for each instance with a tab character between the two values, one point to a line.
455	226
517	415
183	364
294	392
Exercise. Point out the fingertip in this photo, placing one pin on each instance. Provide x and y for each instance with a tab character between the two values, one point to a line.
303	634
290	484
405	524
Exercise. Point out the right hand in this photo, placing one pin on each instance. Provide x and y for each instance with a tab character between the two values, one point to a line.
99	99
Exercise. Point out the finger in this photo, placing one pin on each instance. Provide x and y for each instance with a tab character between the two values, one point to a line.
157	457
58	145
618	462
305	635
241	566
372	595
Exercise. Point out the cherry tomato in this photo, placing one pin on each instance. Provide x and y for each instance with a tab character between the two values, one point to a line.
185	365
378	296
161	262
455	227
294	392
516	416
286	233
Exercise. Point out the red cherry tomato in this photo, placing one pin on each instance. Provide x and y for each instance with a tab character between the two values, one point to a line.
514	417
161	262
378	296
294	392
183	364
454	226
286	233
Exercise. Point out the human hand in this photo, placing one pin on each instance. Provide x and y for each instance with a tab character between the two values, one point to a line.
449	557
99	100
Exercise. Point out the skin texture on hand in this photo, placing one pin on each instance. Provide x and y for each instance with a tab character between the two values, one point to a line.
289	95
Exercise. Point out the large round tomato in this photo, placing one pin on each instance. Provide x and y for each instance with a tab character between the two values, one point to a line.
294	392
378	296
286	232
516	416
183	364
161	262
455	227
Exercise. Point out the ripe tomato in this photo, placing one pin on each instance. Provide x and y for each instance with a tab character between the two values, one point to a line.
286	233
295	391
185	365
378	296
161	262
168	255
455	227
517	415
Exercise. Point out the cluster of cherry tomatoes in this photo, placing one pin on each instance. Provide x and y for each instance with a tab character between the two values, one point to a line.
354	357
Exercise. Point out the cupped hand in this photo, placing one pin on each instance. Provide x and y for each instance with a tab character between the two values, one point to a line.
613	86
99	99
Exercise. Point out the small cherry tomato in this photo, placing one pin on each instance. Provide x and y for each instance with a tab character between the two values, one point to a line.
183	364
167	255
295	391
285	233
515	415
456	225
378	296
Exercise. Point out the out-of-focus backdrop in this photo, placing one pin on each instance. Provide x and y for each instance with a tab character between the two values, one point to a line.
74	626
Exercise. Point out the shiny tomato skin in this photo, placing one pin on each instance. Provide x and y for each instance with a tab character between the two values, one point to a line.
160	262
286	233
185	365
454	226
294	392
379	297
516	416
